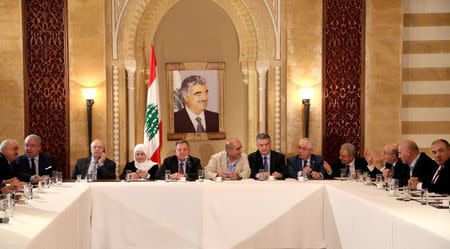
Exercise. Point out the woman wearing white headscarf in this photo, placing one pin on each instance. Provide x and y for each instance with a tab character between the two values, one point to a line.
141	167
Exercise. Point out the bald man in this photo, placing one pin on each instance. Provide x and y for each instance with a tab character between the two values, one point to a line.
440	180
98	165
393	167
420	165
231	163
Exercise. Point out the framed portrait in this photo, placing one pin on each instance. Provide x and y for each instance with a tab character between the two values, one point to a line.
196	100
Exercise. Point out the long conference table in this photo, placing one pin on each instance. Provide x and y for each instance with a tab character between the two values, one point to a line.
243	214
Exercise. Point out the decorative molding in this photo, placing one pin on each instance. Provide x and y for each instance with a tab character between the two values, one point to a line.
262	67
343	74
46	87
277	108
130	67
116	120
274	8
117	9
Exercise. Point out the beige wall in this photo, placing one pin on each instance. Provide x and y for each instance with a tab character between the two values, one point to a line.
426	72
189	33
304	69
86	69
383	73
11	72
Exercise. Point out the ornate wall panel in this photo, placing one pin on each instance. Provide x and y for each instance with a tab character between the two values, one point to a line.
45	76
343	74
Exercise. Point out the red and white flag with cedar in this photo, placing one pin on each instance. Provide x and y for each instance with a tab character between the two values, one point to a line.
153	124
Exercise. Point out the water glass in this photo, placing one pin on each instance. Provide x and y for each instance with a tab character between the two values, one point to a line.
305	176
4	210
128	175
424	196
300	176
358	174
343	174
167	175
59	178
89	177
200	175
78	178
261	175
406	194
46	181
54	176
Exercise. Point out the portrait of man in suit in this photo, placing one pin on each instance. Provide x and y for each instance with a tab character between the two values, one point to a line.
194	116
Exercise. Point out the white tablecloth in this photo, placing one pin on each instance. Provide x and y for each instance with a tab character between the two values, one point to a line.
246	214
360	216
208	215
59	218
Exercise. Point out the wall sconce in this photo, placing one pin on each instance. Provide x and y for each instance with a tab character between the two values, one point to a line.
306	95
89	95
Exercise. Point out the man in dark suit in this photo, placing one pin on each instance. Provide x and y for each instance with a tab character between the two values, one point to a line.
97	165
440	180
9	149
194	117
421	167
393	167
33	162
272	162
350	162
306	161
181	164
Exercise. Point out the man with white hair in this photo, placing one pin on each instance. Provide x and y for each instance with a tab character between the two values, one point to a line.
33	162
9	149
305	161
350	162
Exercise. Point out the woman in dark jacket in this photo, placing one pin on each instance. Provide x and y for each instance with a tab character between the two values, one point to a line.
141	167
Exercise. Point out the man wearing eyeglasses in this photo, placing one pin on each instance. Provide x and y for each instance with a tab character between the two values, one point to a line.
34	163
393	168
97	165
306	161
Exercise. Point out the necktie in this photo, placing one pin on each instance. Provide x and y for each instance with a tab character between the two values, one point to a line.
392	169
266	167
200	127
33	167
347	170
436	175
305	163
181	168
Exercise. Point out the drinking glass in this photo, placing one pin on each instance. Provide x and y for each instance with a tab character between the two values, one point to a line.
424	196
343	174
200	175
406	193
59	178
261	174
358	174
54	176
167	175
128	174
300	176
78	178
89	177
46	181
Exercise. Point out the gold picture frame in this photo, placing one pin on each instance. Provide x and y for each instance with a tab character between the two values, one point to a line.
182	120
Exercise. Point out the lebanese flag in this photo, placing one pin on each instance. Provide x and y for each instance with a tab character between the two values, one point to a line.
153	124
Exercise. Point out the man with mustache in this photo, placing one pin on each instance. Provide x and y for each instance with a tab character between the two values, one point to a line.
98	165
194	117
